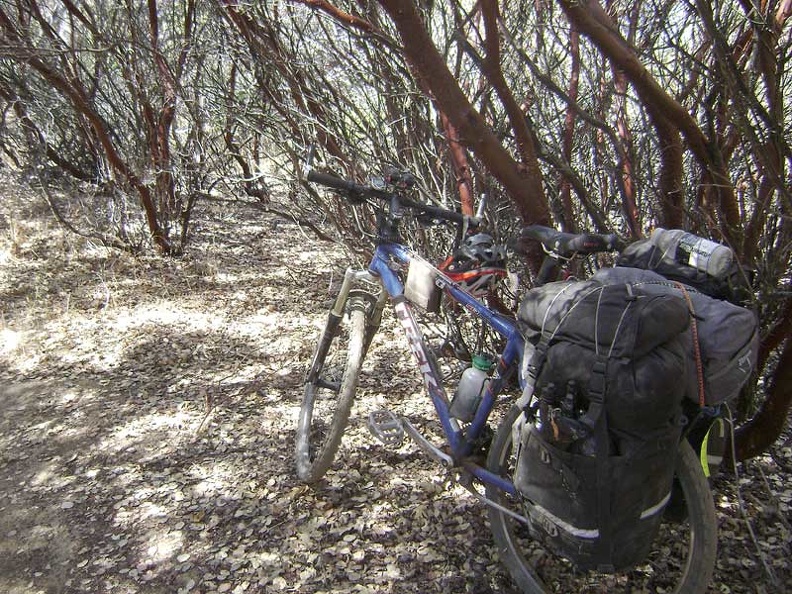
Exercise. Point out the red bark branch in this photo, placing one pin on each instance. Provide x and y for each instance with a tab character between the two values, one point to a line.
459	161
629	207
342	16
494	74
758	434
568	222
524	184
78	97
592	21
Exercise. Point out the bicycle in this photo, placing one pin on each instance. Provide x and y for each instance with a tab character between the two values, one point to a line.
406	280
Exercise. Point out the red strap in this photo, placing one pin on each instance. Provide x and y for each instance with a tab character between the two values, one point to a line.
696	345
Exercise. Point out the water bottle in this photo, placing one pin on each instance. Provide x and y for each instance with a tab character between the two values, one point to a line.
470	389
685	248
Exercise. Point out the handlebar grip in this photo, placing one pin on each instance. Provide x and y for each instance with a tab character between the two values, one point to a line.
442	214
538	232
331	181
588	243
569	244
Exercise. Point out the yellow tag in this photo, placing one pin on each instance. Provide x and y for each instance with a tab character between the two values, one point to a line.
703	453
712	458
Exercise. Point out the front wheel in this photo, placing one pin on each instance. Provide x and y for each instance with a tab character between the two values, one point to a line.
330	387
682	557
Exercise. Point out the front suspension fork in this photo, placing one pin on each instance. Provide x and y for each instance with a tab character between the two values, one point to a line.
349	296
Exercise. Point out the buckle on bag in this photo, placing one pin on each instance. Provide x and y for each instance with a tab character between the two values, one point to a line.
596	386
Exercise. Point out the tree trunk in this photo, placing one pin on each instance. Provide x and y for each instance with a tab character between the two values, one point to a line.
524	182
758	434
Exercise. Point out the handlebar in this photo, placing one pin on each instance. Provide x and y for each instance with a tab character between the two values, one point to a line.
365	192
564	245
331	181
567	245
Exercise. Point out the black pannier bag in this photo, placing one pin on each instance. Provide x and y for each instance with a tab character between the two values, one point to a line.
595	467
728	335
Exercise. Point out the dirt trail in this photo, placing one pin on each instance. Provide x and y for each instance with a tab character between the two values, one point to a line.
147	413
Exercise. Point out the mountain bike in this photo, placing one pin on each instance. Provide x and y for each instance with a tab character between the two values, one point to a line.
684	557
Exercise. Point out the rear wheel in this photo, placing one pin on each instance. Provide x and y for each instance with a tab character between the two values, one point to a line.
330	390
683	554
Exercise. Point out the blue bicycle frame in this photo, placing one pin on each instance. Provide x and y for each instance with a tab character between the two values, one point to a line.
460	441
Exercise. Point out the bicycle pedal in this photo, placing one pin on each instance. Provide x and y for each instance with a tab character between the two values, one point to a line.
387	427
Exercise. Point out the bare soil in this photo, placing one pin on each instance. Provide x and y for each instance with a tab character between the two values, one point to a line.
147	415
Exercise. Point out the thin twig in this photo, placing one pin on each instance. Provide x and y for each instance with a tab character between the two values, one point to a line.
743	511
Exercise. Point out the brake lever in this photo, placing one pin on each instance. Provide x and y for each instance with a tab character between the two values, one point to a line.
309	160
427	220
481	206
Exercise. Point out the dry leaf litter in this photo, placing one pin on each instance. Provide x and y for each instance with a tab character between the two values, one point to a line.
147	416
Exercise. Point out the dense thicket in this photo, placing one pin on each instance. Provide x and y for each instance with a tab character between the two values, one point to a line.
621	116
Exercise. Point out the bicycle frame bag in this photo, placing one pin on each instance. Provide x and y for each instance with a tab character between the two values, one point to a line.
727	335
594	466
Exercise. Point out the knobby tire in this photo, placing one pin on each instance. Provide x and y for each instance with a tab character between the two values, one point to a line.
318	438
